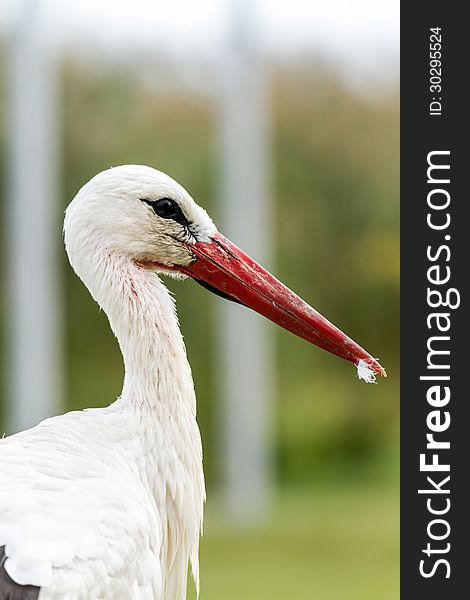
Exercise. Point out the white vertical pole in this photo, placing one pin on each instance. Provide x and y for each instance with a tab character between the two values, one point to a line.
245	348
33	227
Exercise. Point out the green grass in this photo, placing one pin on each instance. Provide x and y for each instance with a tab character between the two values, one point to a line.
330	543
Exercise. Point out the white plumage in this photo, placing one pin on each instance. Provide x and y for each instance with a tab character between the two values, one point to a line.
107	504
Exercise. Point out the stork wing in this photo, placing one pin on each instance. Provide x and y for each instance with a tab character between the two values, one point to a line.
73	514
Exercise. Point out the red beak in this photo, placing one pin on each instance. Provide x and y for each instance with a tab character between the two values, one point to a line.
225	269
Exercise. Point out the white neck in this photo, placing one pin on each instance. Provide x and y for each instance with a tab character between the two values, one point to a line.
158	386
142	315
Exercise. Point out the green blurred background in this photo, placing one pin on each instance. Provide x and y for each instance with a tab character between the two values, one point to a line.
332	529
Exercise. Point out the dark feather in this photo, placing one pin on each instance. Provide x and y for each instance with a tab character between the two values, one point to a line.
9	589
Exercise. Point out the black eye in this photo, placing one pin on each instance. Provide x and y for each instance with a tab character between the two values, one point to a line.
167	209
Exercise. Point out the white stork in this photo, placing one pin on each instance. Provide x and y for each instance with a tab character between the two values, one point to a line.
108	503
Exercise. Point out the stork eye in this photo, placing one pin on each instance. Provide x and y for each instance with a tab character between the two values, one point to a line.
166	208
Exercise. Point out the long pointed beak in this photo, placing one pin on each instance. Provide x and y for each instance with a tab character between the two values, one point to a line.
227	270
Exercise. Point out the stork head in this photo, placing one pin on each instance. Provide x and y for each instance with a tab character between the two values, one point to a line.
148	218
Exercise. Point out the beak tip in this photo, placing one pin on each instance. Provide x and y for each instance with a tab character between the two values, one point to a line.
379	369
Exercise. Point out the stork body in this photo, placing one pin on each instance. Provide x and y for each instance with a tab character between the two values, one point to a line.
112	498
108	503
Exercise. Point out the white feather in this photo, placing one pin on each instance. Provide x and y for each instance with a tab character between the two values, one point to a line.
108	503
365	372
